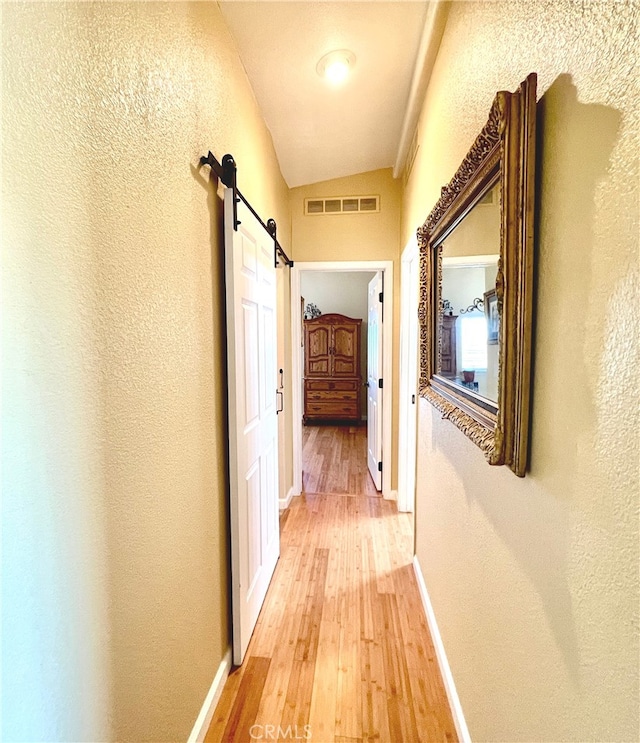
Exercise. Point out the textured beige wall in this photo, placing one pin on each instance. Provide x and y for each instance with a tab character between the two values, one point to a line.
535	582
114	583
352	237
355	237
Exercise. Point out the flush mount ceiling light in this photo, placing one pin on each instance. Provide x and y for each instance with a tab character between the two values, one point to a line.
335	66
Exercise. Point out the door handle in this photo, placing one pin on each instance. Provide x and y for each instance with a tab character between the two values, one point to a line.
280	397
413	399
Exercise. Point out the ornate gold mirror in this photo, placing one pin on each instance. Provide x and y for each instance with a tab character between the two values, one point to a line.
476	293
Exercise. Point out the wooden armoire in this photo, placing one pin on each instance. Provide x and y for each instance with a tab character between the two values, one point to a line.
448	365
332	368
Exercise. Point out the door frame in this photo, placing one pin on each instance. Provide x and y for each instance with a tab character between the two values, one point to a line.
387	365
375	359
408	413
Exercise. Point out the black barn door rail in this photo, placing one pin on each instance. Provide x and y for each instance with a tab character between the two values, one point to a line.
227	173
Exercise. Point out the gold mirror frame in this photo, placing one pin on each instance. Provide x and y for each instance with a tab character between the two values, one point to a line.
504	153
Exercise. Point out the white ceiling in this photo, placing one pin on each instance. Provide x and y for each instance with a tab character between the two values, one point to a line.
321	132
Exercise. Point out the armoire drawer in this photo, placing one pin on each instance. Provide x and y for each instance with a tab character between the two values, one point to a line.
332	409
331	395
344	385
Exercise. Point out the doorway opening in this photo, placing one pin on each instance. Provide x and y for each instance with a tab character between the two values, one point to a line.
305	272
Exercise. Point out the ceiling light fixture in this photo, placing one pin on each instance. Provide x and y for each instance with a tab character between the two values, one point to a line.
335	66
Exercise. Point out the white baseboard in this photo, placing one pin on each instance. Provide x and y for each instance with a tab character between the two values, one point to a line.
445	670
284	502
208	708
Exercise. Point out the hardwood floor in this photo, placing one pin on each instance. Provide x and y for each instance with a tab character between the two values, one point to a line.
341	652
334	460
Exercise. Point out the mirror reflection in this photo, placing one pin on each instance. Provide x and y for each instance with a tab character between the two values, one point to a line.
469	322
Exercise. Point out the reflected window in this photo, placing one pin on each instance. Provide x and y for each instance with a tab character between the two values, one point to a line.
473	343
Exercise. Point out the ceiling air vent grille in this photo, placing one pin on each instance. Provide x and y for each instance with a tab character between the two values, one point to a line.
342	205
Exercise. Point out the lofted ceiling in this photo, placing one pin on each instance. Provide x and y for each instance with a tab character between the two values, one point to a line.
320	132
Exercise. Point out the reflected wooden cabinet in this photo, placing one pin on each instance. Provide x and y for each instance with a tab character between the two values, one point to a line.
332	368
448	366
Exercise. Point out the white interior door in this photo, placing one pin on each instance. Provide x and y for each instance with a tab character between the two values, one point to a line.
408	379
374	378
253	428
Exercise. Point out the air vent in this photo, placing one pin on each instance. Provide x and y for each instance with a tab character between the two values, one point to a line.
315	206
342	205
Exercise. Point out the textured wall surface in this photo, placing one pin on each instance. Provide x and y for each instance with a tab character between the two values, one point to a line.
355	237
114	488
535	582
348	237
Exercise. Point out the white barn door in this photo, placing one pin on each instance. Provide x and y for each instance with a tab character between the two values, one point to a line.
374	374
253	431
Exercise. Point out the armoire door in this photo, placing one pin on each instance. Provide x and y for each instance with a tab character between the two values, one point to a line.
448	365
317	357
345	351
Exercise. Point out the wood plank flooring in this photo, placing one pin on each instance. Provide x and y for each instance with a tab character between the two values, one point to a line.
341	652
334	460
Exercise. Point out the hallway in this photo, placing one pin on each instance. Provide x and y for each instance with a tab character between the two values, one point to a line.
342	644
334	460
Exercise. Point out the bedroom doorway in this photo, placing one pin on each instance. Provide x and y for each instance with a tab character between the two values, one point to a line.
354	273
